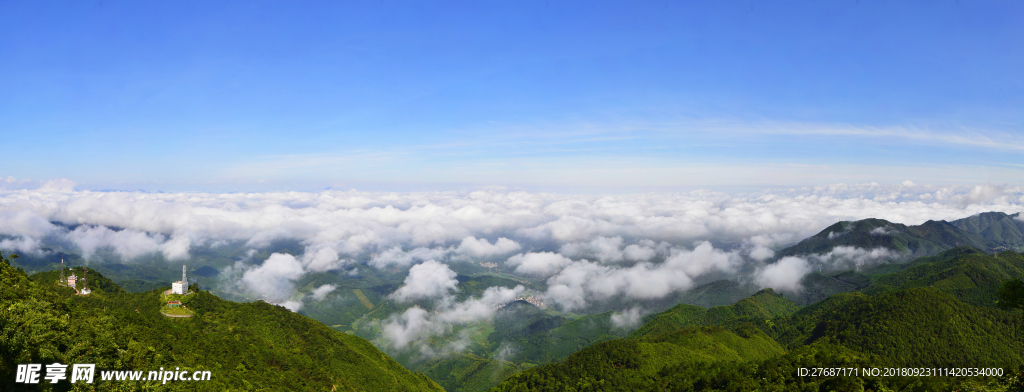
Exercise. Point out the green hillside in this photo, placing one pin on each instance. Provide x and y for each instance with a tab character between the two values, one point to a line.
927	239
937	312
970	277
468	372
765	304
1002	231
245	346
636	364
921	327
990	231
717	293
963	272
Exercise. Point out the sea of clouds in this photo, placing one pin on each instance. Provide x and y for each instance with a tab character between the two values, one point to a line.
586	247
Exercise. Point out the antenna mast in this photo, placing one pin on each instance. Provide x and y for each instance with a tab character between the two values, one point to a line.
184	281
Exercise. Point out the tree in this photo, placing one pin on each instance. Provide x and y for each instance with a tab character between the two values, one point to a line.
9	260
1011	295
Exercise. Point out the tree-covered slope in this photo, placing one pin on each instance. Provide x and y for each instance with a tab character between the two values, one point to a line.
927	239
246	346
919	322
717	293
765	304
634	364
971	277
460	372
990	231
1001	230
919	327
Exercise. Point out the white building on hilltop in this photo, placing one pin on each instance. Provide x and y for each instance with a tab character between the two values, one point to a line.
180	286
85	286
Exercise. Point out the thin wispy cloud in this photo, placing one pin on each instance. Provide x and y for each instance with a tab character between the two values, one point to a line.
972	138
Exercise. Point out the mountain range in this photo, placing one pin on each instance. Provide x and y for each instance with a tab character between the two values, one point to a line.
939	277
940	313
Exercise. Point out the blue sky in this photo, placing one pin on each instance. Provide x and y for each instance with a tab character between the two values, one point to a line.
545	95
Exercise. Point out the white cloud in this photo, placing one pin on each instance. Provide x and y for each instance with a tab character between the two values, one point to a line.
395	256
412	327
627	319
957	138
845	257
176	248
62	185
604	249
321	292
582	282
476	309
702	259
127	243
585	281
760	247
22	245
596	236
322	258
983	194
292	305
24	223
430	279
784	275
761	253
274	279
645	250
472	246
538	264
882	230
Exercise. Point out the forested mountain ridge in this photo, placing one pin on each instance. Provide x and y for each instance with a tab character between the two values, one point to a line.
990	231
893	244
938	313
245	346
765	304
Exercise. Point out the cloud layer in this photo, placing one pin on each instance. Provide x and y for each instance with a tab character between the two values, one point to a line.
586	247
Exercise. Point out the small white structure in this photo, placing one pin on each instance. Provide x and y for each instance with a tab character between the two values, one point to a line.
85	284
181	286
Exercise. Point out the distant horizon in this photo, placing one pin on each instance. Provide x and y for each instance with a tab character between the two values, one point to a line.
65	185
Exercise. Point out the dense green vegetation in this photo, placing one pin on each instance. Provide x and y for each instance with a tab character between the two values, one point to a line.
937	312
246	346
971	277
1011	294
468	372
764	305
1002	231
